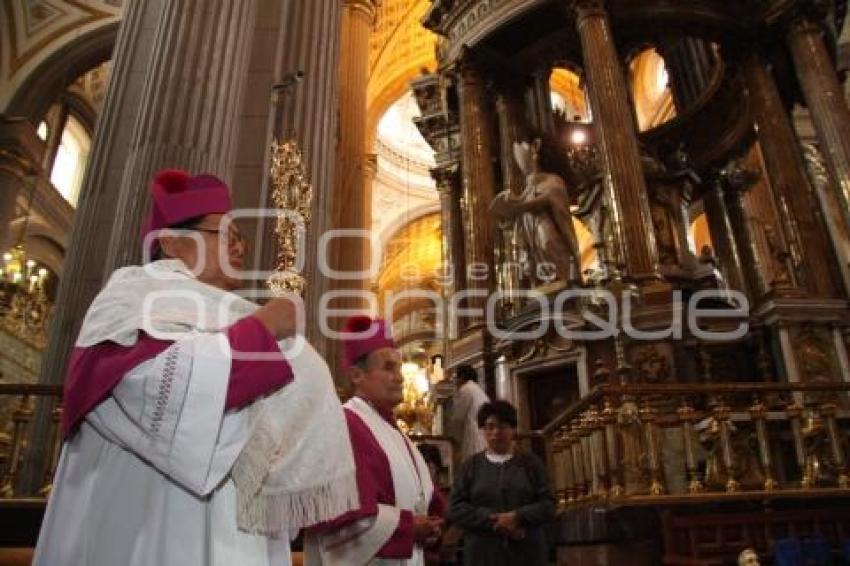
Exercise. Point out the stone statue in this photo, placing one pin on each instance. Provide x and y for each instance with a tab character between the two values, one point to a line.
542	219
748	557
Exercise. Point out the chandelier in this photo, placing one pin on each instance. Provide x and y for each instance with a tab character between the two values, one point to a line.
24	304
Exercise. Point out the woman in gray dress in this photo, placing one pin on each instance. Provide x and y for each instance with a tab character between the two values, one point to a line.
501	497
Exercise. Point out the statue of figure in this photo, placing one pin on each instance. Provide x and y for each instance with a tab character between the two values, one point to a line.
543	220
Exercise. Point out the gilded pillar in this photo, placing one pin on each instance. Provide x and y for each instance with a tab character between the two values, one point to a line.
479	182
805	233
824	96
722	237
353	205
630	215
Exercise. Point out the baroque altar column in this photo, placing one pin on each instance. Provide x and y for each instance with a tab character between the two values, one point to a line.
479	182
804	230
824	95
449	188
689	62
722	237
612	116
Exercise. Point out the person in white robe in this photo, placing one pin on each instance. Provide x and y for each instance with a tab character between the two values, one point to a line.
465	406
199	428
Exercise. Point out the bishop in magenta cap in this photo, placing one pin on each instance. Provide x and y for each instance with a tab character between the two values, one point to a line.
177	197
361	336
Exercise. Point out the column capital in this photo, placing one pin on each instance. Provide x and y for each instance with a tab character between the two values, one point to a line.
808	15
447	178
587	8
367	7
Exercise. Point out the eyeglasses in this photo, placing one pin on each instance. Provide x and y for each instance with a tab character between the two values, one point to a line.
233	238
492	427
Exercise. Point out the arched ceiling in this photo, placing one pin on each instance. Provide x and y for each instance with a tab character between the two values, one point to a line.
33	30
398	49
412	259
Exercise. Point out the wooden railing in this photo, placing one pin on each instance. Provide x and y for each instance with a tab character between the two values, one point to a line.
645	444
22	401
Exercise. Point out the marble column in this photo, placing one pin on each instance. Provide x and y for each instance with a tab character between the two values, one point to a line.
192	93
479	182
722	237
804	230
832	209
824	96
630	215
511	130
20	162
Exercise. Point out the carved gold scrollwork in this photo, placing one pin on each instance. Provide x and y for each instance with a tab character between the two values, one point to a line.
292	192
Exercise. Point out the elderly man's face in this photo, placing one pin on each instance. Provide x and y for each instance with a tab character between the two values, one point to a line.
205	249
381	382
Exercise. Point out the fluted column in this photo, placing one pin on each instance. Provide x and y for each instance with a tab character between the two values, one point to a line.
20	160
796	204
353	205
824	96
689	62
449	188
539	100
83	268
192	99
631	219
832	208
742	230
478	182
722	236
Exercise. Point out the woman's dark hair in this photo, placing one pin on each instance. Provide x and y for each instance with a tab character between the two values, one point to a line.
185	225
504	412
465	373
431	454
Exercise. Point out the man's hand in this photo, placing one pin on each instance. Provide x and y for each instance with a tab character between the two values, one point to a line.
507	524
427	529
279	317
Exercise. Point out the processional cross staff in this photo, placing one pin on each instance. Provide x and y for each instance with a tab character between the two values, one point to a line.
291	191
